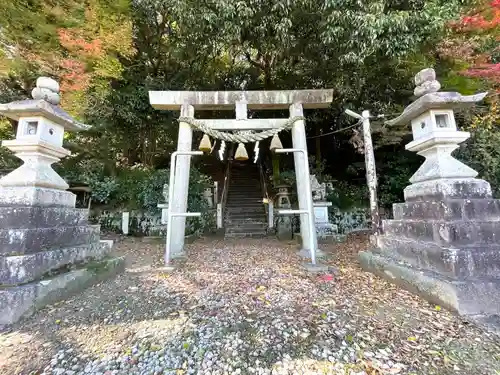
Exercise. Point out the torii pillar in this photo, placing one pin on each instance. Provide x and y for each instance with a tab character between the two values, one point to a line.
189	101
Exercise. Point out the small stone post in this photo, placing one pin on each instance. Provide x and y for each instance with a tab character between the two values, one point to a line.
125	222
270	215
302	176
181	186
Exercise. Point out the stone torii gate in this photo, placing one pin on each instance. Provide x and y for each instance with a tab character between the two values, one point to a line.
240	101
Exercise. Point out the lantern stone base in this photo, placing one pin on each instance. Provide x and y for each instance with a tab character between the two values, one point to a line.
444	247
478	296
24	300
21	269
35	196
46	254
447	188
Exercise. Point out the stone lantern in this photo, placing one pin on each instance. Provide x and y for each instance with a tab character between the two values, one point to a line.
435	137
45	242
443	241
39	139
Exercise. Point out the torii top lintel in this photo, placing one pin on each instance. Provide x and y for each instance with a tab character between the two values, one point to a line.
226	100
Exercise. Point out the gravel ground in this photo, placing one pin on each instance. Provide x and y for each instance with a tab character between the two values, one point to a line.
245	307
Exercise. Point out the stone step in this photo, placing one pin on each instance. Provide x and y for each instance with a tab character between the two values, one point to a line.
445	233
249	227
245	235
22	269
456	262
451	209
247	188
243	182
247	215
41	217
250	197
242	220
30	241
244	202
245	197
230	232
250	210
245	191
243	205
255	219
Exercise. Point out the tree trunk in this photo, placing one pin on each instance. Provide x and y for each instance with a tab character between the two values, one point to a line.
276	166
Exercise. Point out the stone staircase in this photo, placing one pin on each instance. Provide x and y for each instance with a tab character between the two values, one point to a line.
245	215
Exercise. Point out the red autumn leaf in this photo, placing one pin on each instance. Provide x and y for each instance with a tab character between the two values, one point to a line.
326	278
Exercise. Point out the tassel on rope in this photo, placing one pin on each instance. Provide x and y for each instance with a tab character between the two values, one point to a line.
205	144
275	143
241	153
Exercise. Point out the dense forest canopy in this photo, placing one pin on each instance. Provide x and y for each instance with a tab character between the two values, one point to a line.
107	55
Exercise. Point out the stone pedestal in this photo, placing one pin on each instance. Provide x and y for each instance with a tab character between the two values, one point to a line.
324	228
164	206
48	249
47	254
443	241
326	232
445	249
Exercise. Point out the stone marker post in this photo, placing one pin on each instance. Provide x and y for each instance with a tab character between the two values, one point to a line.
443	241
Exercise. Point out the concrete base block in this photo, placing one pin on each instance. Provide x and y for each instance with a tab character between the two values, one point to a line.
179	255
306	253
23	269
22	301
334	238
166	269
479	296
315	268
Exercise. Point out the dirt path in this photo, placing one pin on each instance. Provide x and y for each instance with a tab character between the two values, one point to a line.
245	307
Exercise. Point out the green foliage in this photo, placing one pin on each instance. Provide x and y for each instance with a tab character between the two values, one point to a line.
394	170
7	159
346	196
286	178
481	153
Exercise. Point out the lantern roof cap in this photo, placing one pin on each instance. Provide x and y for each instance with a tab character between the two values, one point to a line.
429	97
33	108
436	100
45	103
